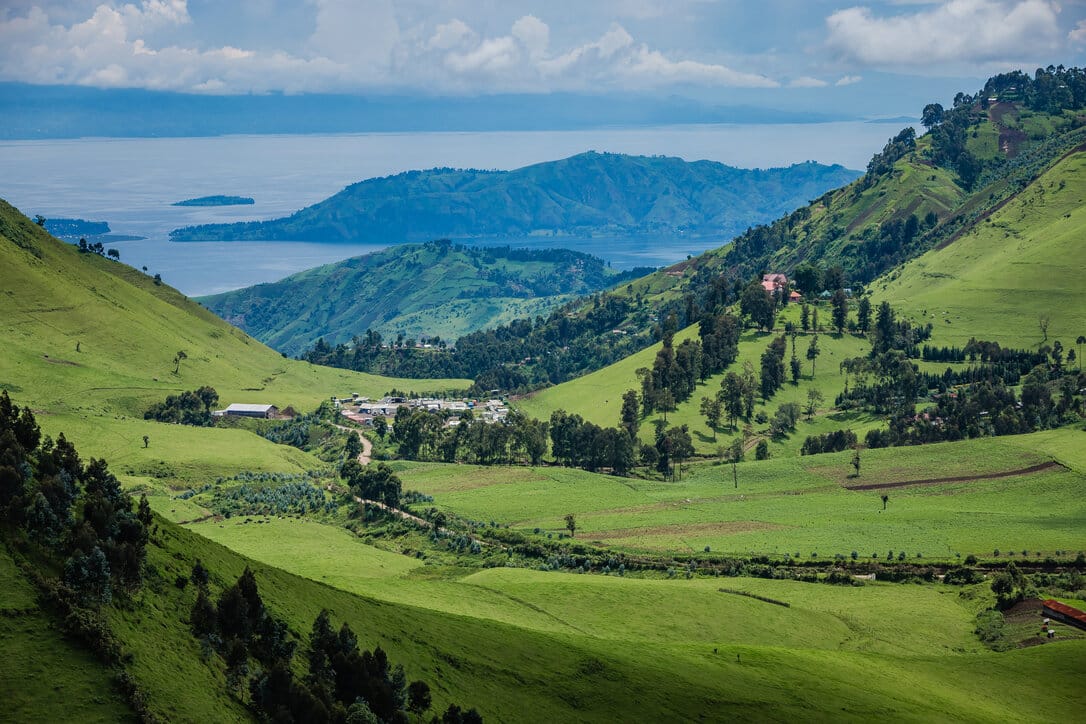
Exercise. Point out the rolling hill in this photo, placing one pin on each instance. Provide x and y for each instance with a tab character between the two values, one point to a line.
436	289
585	195
86	335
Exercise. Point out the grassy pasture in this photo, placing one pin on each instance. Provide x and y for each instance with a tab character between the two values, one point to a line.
799	505
592	647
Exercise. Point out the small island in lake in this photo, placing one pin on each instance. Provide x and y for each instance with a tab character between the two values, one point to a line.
217	201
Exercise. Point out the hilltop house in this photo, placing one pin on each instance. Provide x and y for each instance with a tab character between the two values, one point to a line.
774	283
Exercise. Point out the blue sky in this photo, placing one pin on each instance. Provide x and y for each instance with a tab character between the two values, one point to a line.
777	53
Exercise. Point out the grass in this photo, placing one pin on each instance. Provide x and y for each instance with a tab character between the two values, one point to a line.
798	505
537	646
44	676
997	280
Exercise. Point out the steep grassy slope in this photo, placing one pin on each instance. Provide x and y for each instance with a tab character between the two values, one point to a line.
84	334
433	289
43	675
586	194
1020	264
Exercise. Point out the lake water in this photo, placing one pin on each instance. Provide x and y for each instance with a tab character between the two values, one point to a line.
131	183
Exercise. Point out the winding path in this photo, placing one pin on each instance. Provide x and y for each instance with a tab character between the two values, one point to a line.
365	456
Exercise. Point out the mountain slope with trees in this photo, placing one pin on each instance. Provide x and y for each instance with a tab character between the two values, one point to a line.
438	290
918	193
585	195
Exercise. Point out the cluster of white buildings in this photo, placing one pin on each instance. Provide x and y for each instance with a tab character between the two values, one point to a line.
364	410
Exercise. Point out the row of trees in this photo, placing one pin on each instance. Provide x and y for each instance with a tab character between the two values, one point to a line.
97	248
192	407
424	435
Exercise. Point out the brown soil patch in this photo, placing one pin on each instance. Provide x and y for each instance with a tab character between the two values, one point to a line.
960	478
722	528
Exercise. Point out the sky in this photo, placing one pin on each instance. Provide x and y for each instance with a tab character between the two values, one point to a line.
774	53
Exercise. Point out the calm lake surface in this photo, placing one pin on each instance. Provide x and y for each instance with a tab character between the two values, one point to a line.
131	183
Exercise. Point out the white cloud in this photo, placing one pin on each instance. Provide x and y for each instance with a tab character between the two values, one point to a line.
807	81
450	35
848	80
533	34
1078	35
949	35
353	45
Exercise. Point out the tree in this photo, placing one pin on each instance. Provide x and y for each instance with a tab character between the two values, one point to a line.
177	359
711	408
757	305
571	523
114	254
731	397
812	353
39	220
794	364
208	396
834	278
630	417
158	279
932	115
814	399
1043	322
380	426
840	310
804	317
808	279
761	450
863	315
353	448
418	698
146	440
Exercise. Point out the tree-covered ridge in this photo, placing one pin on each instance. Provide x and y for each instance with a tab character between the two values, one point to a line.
587	194
437	289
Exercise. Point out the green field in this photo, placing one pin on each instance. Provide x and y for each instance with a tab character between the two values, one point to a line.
799	505
717	655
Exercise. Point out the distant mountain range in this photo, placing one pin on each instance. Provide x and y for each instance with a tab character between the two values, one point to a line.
591	194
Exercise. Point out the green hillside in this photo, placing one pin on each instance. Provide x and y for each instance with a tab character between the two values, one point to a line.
435	289
584	195
87	336
1000	277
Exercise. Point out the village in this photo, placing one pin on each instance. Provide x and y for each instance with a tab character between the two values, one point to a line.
365	411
